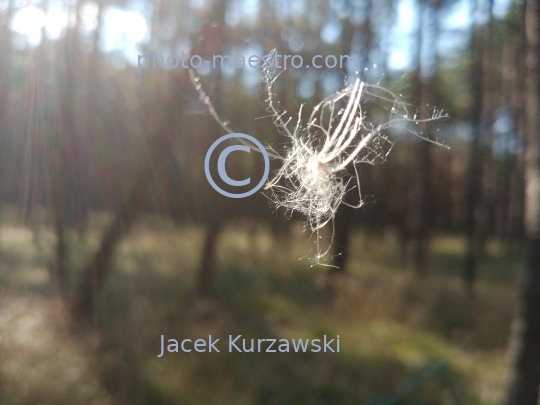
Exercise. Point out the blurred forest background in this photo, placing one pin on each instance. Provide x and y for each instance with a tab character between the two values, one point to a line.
110	234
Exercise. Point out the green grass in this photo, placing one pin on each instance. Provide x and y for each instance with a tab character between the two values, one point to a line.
403	340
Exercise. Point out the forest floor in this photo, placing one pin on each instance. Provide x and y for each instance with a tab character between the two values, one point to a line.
404	339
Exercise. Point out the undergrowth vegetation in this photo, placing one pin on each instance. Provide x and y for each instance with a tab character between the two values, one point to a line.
403	340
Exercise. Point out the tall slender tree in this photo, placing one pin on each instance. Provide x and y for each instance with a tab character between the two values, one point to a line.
525	381
424	89
474	167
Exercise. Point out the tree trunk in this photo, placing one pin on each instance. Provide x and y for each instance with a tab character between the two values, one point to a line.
160	154
340	250
341	239
516	89
61	272
345	215
525	381
474	170
421	190
486	217
421	187
95	271
205	287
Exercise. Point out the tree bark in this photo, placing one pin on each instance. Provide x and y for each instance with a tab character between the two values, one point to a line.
474	170
486	209
525	381
516	89
340	252
341	243
421	186
95	271
205	287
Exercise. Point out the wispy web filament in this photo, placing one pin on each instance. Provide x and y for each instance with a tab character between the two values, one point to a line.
313	179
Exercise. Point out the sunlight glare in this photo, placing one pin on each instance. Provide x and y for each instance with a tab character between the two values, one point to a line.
123	30
28	22
56	22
